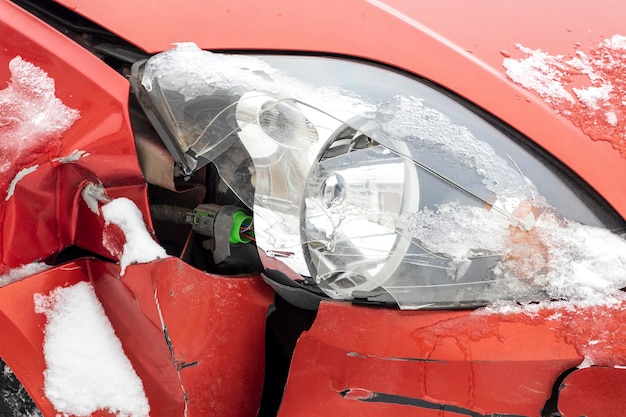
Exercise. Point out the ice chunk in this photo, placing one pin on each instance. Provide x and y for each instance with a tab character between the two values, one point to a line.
32	118
539	73
571	261
87	369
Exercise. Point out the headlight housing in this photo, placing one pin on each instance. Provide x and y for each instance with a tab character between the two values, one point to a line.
373	183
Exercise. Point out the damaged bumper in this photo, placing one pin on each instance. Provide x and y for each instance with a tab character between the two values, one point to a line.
374	362
164	314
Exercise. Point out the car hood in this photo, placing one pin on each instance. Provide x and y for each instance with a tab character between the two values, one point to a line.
460	45
360	27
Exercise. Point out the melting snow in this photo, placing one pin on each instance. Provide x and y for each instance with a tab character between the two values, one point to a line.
32	118
22	272
534	72
597	107
139	247
591	326
87	369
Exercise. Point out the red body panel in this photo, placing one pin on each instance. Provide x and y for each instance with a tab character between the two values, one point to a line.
189	300
212	322
593	392
40	218
355	360
374	362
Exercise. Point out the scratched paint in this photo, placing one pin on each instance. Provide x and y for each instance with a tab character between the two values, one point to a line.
587	86
596	332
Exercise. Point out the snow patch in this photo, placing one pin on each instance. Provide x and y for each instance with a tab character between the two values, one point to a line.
139	246
22	272
87	369
590	96
596	107
611	118
536	73
581	262
18	177
616	42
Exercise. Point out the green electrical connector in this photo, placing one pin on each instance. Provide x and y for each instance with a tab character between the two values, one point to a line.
226	226
241	231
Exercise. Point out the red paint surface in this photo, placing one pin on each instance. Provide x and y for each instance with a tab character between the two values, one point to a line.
485	363
593	392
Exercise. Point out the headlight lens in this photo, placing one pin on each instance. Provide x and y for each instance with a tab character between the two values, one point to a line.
371	182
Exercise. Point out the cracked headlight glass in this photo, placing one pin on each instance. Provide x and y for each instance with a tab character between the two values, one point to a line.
374	184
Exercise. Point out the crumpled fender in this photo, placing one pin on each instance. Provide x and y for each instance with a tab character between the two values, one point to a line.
41	214
196	340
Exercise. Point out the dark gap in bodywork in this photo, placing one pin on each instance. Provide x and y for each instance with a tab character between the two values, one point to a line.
285	324
82	31
380	397
72	253
551	409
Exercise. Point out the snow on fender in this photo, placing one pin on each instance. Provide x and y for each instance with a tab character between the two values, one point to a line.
139	247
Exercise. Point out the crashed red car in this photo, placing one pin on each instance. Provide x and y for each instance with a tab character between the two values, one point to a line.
361	207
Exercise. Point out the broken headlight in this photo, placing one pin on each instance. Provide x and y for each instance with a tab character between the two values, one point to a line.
373	184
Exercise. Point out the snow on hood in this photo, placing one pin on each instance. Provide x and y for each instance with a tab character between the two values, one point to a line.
588	88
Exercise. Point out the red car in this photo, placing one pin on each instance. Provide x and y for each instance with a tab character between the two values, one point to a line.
365	207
